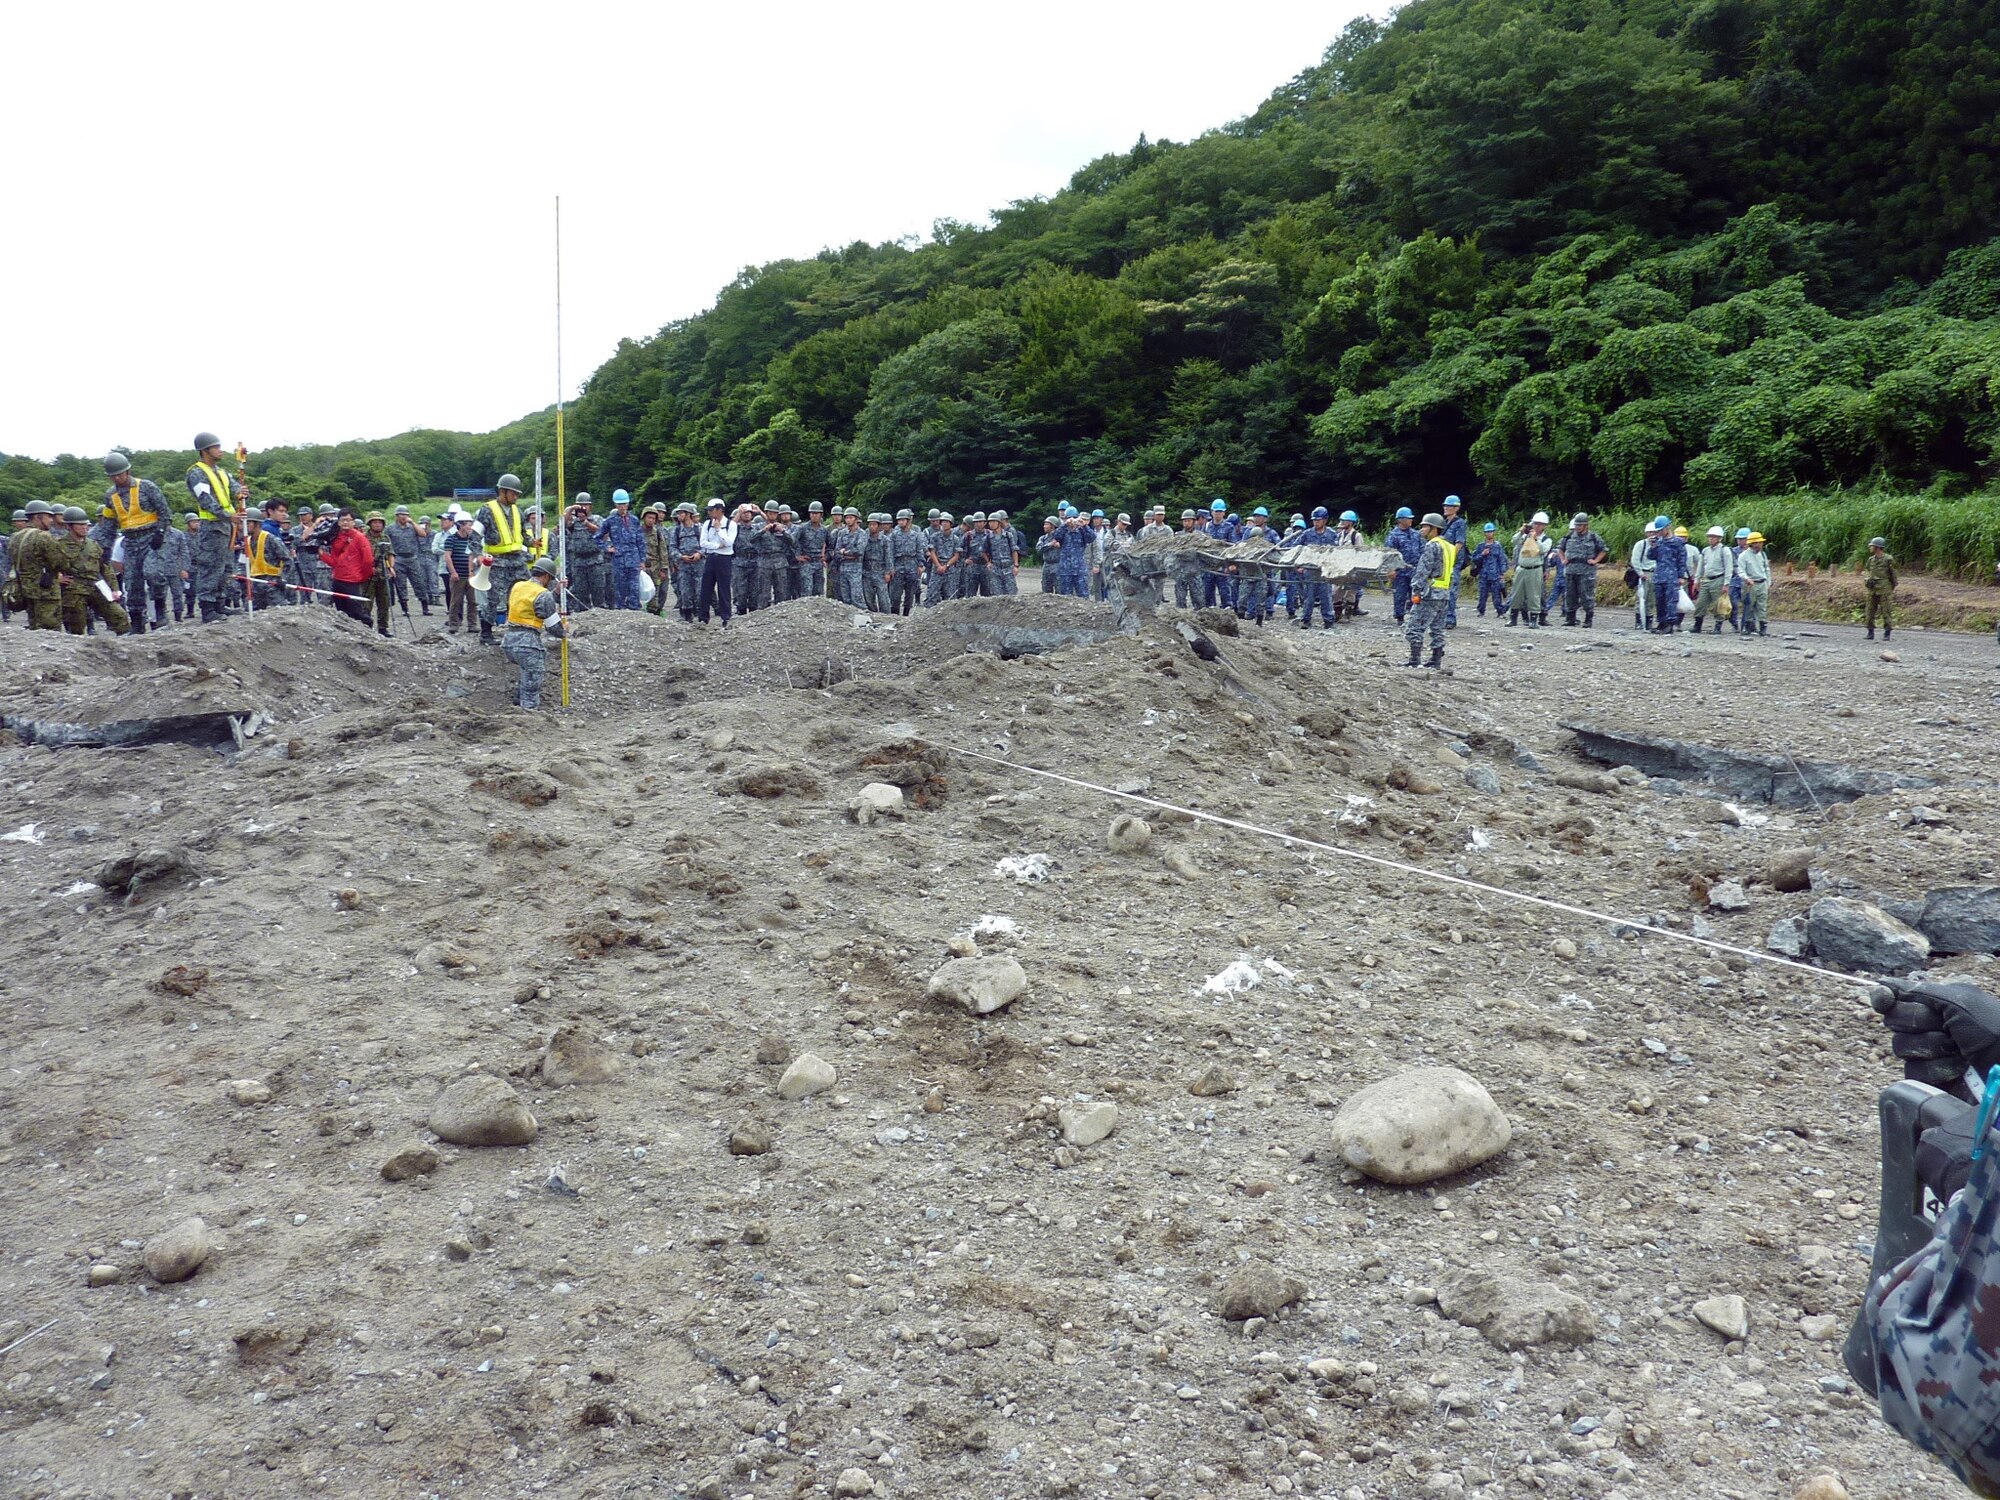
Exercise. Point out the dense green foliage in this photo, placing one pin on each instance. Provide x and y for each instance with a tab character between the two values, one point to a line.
1628	254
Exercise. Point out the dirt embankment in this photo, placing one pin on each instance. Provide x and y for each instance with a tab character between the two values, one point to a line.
638	917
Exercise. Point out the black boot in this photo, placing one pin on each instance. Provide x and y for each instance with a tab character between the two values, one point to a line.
1415	653
1871	632
1569	618
1589	619
485	634
1697	624
1437	657
1513	618
1762	628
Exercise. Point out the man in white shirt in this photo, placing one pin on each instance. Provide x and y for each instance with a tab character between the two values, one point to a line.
718	561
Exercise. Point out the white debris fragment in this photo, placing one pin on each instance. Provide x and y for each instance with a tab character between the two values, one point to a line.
1272	967
27	833
1234	979
1746	818
1480	841
990	925
1028	869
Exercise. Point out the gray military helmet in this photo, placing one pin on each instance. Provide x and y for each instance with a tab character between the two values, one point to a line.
1581	518
771	507
74	515
688	506
815	509
906	514
1879	541
206	440
20	515
544	565
401	510
117	463
39	508
852	511
1187	515
1432	518
508	482
977	515
945	515
330	510
583	497
998	515
933	515
786	510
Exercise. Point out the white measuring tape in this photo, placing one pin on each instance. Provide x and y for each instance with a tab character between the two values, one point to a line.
1417	870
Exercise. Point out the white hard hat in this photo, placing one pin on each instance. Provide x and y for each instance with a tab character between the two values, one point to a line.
1541	518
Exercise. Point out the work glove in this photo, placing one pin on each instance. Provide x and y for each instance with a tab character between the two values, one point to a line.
1944	1154
1941	1026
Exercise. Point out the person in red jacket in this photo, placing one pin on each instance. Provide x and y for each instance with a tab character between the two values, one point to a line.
353	563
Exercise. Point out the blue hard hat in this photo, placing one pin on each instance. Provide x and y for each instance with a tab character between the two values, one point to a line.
1217	505
1261	511
1348	515
1743	533
619	497
1663	523
1489	526
1406	514
1319	512
1451	500
1097	515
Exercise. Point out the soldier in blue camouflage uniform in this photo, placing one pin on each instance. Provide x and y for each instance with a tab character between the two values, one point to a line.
1003	559
1736	580
1489	566
906	563
843	550
1253	579
1217	586
1316	590
1669	555
624	542
875	564
748	562
812	549
1074	551
942	547
972	556
684	553
585	541
1048	552
1578	555
1430	592
1409	546
1455	533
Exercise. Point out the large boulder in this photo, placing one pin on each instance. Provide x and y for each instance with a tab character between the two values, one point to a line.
1514	1314
978	986
1962	919
1854	935
481	1110
1419	1126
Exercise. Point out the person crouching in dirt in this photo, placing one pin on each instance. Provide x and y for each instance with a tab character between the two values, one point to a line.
351	559
533	617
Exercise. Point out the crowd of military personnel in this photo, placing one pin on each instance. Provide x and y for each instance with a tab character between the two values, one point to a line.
135	564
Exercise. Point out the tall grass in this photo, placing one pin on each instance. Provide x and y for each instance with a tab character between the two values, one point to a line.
1956	535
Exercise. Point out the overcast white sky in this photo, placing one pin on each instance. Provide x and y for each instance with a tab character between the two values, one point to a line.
311	223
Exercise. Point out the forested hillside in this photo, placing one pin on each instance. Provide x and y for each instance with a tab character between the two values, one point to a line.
1620	254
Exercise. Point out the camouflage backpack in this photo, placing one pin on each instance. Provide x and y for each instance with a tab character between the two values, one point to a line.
1934	1322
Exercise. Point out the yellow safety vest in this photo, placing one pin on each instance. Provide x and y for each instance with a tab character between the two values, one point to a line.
521	604
132	513
219	487
1450	563
260	567
506	528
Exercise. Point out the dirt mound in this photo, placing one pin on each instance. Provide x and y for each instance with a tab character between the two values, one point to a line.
930	1273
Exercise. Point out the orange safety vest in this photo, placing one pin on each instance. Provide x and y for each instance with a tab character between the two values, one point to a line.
132	513
260	567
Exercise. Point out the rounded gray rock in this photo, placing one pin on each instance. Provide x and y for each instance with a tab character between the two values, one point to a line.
1419	1126
179	1252
481	1110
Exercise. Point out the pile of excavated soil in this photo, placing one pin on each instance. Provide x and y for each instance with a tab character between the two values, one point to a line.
688	1283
